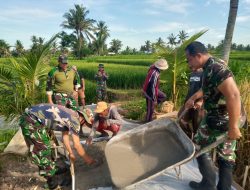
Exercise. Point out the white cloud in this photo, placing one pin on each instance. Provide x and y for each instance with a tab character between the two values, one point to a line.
122	29
243	19
29	13
176	6
166	27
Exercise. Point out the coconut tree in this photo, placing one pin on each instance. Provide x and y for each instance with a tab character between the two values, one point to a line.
115	45
19	48
22	81
77	20
172	40
101	36
177	62
230	29
182	36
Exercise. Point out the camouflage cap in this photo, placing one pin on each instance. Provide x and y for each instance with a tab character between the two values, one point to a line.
87	114
63	59
100	66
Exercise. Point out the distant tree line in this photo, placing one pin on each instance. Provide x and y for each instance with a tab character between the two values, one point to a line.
89	37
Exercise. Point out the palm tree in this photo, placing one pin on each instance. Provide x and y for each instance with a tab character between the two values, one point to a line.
148	46
101	36
37	42
4	49
76	19
23	80
230	29
172	40
160	42
182	36
116	45
19	48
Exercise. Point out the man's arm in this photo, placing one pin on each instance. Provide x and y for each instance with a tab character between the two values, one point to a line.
80	150
117	119
66	142
232	95
49	86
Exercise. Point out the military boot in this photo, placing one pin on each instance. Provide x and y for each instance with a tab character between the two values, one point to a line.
225	174
208	174
52	182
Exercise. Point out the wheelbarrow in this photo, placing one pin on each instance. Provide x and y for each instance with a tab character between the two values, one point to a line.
147	150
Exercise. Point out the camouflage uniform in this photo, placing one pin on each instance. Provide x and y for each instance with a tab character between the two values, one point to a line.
62	84
101	88
215	123
36	123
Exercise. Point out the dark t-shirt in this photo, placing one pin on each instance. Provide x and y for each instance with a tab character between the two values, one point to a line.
195	83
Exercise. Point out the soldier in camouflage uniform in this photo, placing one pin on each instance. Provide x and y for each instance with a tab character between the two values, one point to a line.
101	87
37	121
222	103
62	84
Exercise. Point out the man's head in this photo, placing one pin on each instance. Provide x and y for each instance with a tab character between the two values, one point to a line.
87	116
102	109
161	64
63	61
196	54
101	67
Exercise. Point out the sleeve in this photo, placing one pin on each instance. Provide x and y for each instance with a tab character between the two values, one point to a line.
105	76
154	81
50	82
220	74
116	117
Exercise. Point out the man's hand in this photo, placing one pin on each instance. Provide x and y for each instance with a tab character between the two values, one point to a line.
75	94
72	157
189	103
234	133
198	104
89	160
89	141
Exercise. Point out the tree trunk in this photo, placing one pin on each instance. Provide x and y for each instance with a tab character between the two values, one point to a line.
230	29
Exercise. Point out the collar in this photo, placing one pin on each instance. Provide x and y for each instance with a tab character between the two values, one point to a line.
209	61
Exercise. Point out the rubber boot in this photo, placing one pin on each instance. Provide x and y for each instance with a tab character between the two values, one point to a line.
225	174
52	182
65	179
208	174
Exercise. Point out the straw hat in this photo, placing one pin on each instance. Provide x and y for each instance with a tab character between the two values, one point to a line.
161	64
100	107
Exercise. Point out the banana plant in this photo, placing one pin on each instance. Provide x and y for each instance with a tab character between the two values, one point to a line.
176	59
22	81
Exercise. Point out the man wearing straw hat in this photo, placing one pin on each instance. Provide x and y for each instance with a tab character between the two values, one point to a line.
106	118
151	87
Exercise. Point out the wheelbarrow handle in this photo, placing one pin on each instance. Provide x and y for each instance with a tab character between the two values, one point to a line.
220	139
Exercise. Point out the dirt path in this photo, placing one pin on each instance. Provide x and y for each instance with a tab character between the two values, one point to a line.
18	173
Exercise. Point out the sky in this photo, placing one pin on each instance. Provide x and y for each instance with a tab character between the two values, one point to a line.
131	21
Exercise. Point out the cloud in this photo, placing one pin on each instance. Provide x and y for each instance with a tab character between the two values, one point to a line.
28	13
243	18
176	6
166	27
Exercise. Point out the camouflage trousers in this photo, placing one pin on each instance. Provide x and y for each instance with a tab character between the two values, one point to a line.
205	136
101	92
65	100
38	141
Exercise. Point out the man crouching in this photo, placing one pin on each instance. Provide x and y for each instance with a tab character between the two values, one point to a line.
37	121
